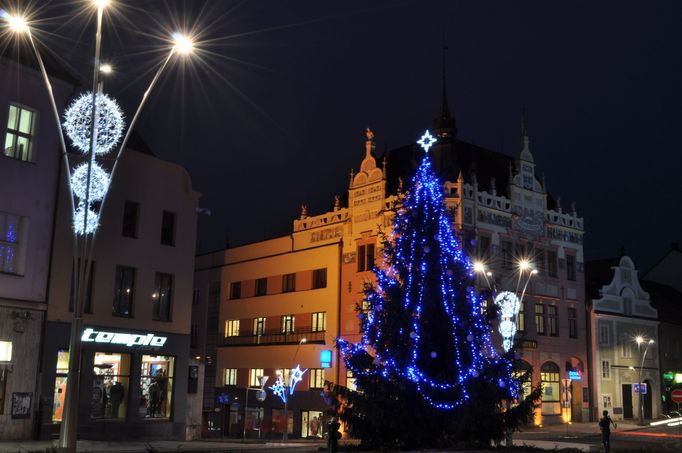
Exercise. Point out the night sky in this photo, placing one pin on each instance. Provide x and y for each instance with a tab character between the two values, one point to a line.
272	112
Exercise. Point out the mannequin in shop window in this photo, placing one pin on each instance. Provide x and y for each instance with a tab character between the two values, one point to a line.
116	394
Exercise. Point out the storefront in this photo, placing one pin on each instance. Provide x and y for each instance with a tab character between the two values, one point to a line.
133	384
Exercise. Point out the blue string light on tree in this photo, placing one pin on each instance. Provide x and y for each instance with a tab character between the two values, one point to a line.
425	323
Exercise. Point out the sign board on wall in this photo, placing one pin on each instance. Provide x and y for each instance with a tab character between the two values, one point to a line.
122	338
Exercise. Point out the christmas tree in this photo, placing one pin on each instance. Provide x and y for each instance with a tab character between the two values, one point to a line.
427	373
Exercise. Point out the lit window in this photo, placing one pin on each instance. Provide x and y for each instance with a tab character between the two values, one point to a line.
350	380
10	243
156	385
319	322
521	317
230	376
316	378
319	278
606	369
232	328
62	370
288	324
19	137
551	394
5	351
111	374
254	377
259	326
540	319
162	296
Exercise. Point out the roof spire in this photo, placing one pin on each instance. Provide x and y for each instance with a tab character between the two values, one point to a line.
444	125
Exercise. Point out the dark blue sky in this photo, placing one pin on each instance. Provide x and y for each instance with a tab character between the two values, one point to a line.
277	119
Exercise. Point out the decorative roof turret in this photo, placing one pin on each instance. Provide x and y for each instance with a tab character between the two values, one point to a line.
444	125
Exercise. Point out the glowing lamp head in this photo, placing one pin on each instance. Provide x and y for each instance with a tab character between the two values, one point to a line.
479	267
534	271
651	341
639	339
106	69
303	340
16	23
101	3
183	43
524	265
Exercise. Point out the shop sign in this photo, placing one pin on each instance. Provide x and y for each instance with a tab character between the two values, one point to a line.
126	339
575	376
326	358
668	376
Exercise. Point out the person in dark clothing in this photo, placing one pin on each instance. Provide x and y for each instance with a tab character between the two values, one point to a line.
605	425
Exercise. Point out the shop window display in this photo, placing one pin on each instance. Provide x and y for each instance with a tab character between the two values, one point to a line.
60	385
110	384
311	424
156	386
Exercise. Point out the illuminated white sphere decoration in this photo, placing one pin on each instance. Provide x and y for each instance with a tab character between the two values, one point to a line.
509	305
110	124
99	182
79	220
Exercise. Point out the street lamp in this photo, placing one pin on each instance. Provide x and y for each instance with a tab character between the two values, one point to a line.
90	185
648	342
285	385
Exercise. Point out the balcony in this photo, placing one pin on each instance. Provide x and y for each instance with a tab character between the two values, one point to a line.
275	337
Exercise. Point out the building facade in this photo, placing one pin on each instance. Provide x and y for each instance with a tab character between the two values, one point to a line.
136	376
625	343
278	308
29	169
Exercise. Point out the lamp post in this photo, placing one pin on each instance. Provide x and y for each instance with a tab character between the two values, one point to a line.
288	389
85	228
648	343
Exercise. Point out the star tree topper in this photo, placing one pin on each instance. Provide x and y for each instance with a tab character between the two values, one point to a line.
427	141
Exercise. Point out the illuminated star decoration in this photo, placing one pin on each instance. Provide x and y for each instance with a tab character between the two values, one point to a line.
427	141
278	389
509	306
295	377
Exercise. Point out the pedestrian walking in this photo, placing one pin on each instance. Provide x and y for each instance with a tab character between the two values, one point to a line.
605	425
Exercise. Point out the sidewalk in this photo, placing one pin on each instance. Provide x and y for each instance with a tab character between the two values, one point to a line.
93	446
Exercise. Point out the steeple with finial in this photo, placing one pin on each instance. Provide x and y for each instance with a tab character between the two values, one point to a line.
444	125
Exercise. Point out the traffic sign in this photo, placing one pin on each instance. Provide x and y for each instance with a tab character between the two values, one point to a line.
676	396
261	395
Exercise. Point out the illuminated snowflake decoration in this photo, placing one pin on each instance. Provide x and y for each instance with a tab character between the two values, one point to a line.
78	123
278	389
427	141
509	306
99	182
295	377
79	220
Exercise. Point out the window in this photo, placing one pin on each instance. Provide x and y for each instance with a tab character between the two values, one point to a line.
605	369
320	278
87	303
570	267
195	296
539	258
259	326
19	137
540	319
319	322
288	283
168	228
3	388
156	386
194	335
311	424
603	334
552	320
110	386
163	292
124	291
316	378
625	347
522	372
130	213
483	247
236	290
232	328
572	322
551	392
350	380
521	317
365	257
288	324
230	376
261	286
254	377
552	264
5	351
61	371
10	228
507	256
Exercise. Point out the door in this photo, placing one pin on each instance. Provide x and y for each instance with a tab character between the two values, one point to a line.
627	400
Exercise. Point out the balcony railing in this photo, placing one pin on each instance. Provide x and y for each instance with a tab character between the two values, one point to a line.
275	337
